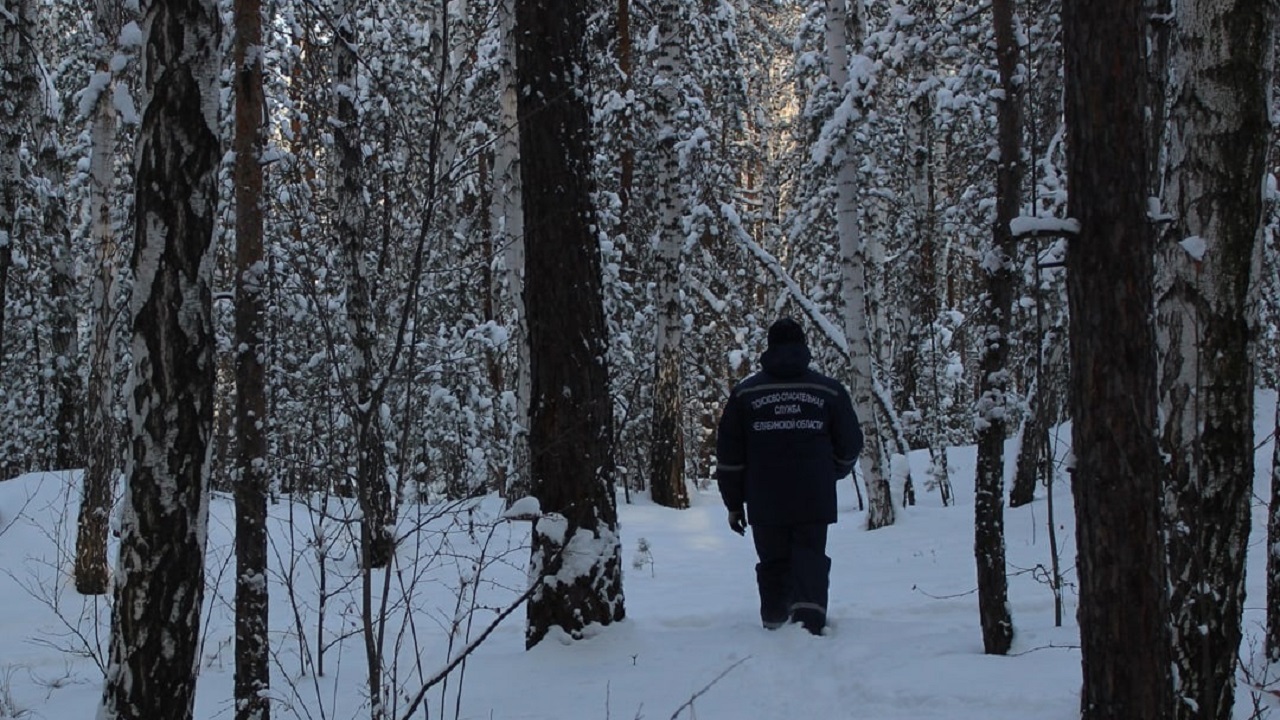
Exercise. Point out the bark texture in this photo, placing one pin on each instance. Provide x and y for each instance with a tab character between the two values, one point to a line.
508	223
570	412
101	448
853	279
252	483
155	629
1121	565
1218	133
666	448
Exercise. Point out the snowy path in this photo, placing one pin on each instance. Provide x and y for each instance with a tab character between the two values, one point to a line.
905	643
893	653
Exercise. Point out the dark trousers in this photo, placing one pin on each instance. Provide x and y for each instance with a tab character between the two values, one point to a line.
793	574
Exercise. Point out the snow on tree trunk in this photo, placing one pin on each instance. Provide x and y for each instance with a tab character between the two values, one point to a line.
51	181
666	448
159	585
1216	162
91	571
853	273
576	555
992	411
508	221
923	297
252	482
1122	610
17	73
1033	448
373	490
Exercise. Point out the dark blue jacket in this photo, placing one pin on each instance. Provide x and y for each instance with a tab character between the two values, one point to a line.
787	435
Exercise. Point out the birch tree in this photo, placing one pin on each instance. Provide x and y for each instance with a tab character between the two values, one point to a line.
101	448
1122	613
1217	151
841	15
667	452
576	557
160	574
508	223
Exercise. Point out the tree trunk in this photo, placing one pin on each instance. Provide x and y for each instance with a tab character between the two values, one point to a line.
918	382
252	647
853	271
155	628
993	403
1159	23
1121	564
627	154
102	447
508	222
373	489
1033	448
1216	161
570	417
666	440
1273	545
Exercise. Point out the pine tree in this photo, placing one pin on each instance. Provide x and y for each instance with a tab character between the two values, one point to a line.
1122	573
252	673
570	418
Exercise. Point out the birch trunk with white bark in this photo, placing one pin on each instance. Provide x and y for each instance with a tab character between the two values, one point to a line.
159	585
101	448
853	272
507	218
1218	137
666	449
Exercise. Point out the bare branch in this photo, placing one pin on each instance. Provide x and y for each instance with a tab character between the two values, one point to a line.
689	703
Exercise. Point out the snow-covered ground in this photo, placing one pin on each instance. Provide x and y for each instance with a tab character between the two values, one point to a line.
905	642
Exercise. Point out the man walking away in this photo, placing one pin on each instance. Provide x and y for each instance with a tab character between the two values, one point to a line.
786	436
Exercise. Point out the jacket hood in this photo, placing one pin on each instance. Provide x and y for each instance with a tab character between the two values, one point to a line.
786	360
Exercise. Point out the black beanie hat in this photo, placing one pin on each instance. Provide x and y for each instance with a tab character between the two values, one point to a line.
784	331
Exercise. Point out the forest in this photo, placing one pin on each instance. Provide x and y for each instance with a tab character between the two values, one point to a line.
392	256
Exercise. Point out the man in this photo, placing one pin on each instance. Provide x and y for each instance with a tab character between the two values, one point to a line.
787	435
